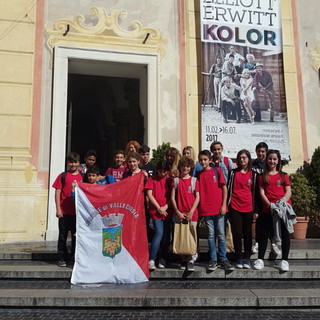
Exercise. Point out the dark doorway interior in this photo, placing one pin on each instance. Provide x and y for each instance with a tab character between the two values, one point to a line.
103	114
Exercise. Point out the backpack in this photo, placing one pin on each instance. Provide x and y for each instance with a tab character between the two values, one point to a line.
226	162
64	175
193	183
216	172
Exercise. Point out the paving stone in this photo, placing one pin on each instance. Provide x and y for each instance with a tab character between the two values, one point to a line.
155	314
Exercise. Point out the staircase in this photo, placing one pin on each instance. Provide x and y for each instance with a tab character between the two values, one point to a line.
29	278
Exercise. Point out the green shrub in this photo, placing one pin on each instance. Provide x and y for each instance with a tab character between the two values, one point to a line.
303	195
159	153
312	172
300	194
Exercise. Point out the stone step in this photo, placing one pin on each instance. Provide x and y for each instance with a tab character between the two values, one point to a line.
125	297
309	269
51	254
300	249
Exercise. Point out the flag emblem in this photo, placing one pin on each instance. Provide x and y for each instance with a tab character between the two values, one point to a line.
112	235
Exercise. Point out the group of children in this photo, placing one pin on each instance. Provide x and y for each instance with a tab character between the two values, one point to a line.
183	188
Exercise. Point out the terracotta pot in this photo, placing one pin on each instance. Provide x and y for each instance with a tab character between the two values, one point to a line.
300	228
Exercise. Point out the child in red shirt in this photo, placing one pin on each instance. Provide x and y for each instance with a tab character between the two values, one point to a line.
119	168
65	207
158	193
241	196
273	186
185	199
213	207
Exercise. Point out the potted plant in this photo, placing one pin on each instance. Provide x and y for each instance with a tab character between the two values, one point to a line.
303	203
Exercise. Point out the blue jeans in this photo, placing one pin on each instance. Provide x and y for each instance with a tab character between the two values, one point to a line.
161	239
216	228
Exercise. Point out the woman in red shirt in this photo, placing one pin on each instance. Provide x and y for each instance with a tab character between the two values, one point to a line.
273	186
241	191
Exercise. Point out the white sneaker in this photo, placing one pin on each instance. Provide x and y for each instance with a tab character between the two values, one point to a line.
190	266
246	264
239	264
183	266
255	248
152	265
195	257
161	264
258	264
275	249
284	265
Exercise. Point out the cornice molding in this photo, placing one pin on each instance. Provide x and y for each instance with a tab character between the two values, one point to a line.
107	33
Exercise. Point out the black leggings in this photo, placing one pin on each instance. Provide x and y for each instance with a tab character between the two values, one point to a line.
241	223
265	226
66	223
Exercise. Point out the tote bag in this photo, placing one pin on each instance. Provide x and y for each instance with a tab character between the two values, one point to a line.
184	239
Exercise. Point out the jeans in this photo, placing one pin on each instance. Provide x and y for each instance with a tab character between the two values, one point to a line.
216	228
161	239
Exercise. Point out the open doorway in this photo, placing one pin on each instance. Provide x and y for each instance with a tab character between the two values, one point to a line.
103	114
105	64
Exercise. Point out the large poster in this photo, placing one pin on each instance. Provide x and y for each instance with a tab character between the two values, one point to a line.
243	98
111	241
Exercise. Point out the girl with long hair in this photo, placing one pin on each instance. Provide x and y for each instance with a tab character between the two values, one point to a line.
273	186
173	156
241	201
188	152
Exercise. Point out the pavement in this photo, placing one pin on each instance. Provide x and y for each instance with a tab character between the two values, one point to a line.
156	314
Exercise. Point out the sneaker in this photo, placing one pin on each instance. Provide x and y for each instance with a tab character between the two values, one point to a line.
62	263
275	249
246	264
152	265
212	265
258	264
255	248
183	266
190	266
239	264
161	264
226	265
284	265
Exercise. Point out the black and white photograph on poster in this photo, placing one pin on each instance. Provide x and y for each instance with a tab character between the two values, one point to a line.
243	98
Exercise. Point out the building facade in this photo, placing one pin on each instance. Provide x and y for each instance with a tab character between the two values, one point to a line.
99	73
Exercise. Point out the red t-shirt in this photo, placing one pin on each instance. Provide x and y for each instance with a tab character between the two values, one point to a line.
185	196
275	189
66	203
117	173
210	187
241	197
161	192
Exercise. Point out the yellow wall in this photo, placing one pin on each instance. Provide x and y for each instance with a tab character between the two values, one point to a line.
193	72
22	201
193	76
